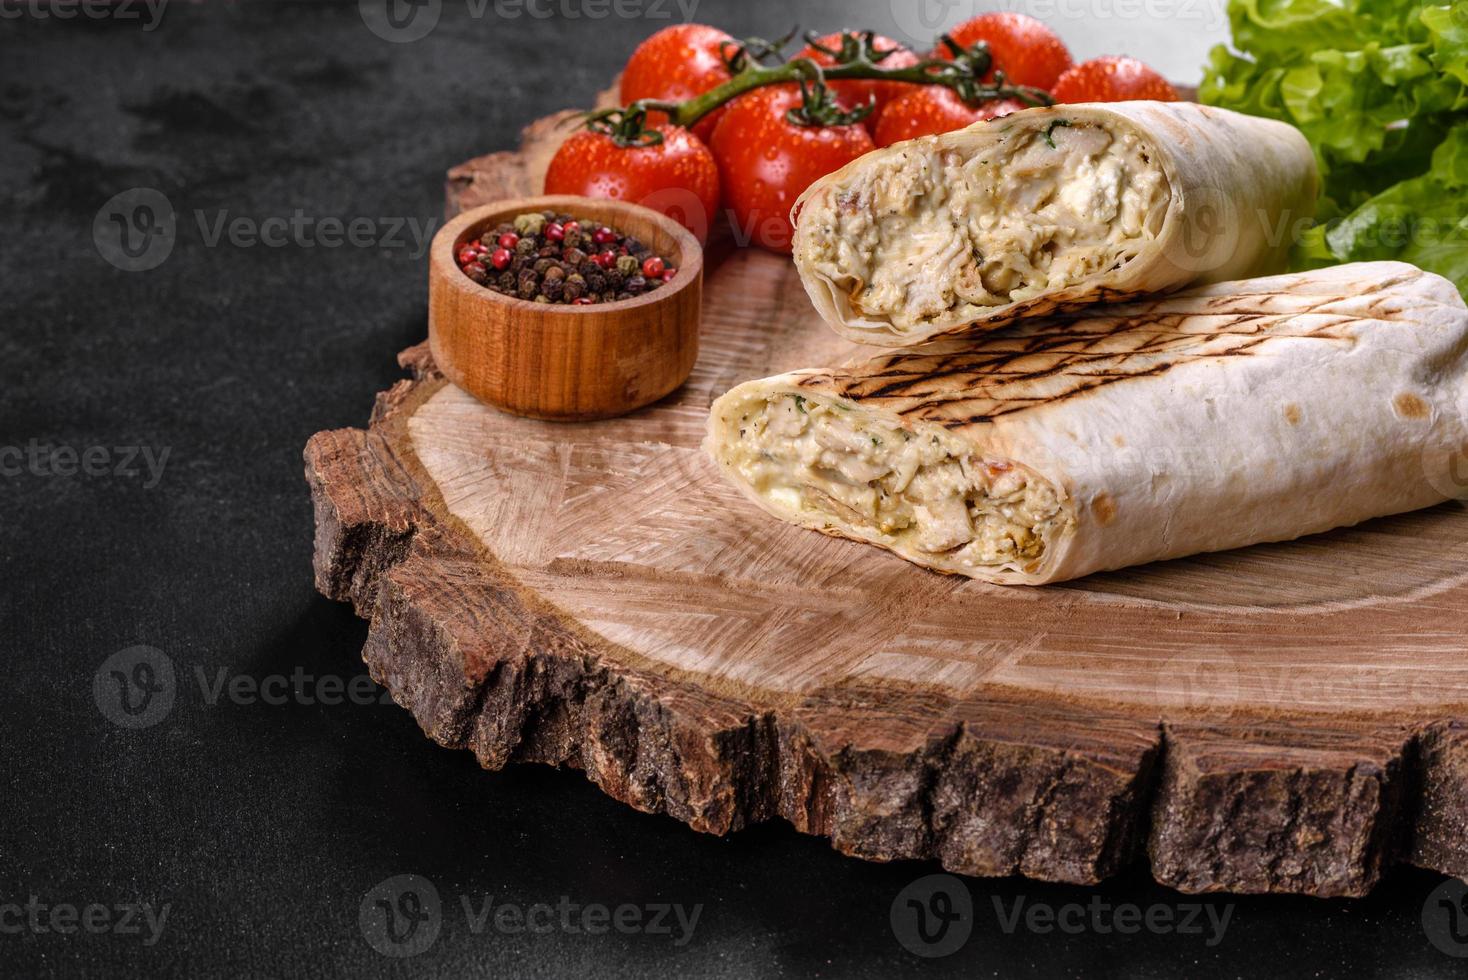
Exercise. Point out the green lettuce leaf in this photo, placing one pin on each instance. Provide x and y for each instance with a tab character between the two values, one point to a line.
1380	89
1422	220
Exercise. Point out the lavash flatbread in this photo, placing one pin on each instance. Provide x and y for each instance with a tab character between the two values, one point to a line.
1049	209
1199	421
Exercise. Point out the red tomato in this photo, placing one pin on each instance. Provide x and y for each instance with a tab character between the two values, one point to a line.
1028	52
676	64
857	92
677	176
1112	79
766	161
935	109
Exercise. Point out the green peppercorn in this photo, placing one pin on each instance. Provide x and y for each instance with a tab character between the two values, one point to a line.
627	265
529	224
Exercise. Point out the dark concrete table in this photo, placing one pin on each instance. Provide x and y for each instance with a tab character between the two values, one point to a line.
153	519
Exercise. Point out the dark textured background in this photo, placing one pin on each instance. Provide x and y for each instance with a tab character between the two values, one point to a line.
264	825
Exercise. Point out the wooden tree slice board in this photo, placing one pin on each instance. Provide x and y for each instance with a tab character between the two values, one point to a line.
1285	718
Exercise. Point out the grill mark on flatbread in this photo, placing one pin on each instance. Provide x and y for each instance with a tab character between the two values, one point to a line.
1042	362
1068	307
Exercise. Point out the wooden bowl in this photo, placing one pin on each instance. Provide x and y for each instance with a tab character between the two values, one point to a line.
555	360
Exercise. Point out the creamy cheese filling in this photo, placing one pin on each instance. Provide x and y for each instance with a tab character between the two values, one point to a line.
936	235
920	493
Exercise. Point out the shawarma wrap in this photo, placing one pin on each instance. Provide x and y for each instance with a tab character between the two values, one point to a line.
1049	209
1200	421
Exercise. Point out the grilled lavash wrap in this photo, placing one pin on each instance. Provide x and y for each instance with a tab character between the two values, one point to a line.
1049	209
1199	421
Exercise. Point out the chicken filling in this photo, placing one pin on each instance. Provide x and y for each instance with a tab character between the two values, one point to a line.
916	492
934	235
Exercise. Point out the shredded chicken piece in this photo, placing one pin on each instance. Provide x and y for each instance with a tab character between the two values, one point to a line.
932	234
923	490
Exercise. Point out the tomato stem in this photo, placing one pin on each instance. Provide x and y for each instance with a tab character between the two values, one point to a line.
856	57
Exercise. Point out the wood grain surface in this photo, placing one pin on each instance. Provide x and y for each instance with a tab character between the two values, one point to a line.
1285	718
